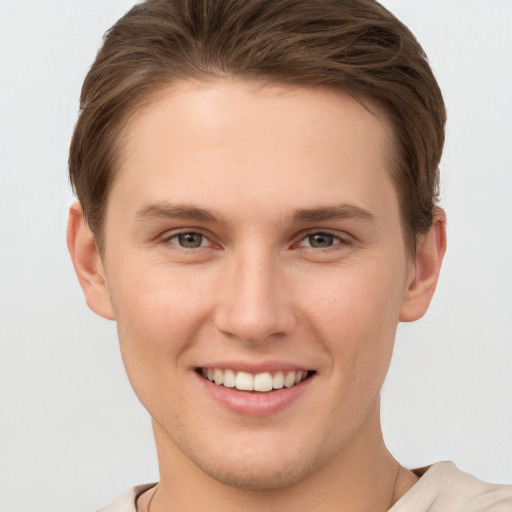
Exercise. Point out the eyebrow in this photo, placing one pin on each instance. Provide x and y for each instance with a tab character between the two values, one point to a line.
344	211
166	210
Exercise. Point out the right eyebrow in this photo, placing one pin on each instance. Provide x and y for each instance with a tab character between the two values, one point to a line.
165	210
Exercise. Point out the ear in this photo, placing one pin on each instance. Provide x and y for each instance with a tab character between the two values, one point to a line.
87	262
430	251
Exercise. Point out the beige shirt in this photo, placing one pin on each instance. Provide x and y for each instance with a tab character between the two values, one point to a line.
441	488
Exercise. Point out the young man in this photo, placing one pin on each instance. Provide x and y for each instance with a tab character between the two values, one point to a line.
257	184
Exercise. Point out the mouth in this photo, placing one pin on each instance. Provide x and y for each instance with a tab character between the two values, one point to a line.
264	382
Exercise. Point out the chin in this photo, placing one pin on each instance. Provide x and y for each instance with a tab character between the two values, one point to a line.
258	478
255	467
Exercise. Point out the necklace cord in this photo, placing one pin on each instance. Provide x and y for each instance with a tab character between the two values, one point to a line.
393	489
390	504
151	499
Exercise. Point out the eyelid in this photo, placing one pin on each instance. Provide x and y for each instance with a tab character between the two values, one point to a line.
343	239
166	238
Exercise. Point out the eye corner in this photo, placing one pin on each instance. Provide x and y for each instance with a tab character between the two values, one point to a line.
188	239
323	240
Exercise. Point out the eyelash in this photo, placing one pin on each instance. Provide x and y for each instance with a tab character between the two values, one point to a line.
168	239
336	240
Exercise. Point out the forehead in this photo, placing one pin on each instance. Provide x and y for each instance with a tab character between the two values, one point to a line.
240	140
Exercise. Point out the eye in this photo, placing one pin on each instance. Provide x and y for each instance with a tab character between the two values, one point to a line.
321	240
189	240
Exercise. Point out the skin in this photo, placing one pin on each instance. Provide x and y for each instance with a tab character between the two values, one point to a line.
272	166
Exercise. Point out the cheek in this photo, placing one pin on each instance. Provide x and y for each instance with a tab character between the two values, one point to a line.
355	312
158	314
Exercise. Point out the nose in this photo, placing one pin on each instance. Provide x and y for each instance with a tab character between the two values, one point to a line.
253	302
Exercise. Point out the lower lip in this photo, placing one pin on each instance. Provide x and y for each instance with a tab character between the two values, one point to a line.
253	403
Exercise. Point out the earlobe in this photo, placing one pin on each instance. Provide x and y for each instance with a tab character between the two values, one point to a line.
430	251
87	262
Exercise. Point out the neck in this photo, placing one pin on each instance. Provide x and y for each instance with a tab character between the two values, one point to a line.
363	477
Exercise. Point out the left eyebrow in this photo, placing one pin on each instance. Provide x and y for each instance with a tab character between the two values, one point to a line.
341	212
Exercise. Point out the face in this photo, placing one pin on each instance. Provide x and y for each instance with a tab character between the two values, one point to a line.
256	267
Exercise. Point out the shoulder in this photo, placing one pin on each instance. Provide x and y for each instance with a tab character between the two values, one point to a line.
445	488
126	502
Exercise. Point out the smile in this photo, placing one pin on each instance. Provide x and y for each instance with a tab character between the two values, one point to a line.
260	382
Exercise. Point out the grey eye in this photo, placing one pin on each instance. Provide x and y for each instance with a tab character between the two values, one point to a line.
190	240
321	240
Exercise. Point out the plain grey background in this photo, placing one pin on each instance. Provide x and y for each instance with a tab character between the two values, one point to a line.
72	434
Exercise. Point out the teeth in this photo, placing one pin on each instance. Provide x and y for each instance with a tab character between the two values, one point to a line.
289	380
278	380
244	381
229	379
261	382
218	377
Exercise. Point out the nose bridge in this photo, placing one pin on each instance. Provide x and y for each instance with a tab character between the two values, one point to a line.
253	303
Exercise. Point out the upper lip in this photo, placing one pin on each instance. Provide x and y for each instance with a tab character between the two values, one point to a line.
255	368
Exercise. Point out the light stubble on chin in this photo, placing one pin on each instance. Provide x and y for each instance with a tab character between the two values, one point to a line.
246	479
238	472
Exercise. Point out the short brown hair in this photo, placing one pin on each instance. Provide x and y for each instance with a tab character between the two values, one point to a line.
353	45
